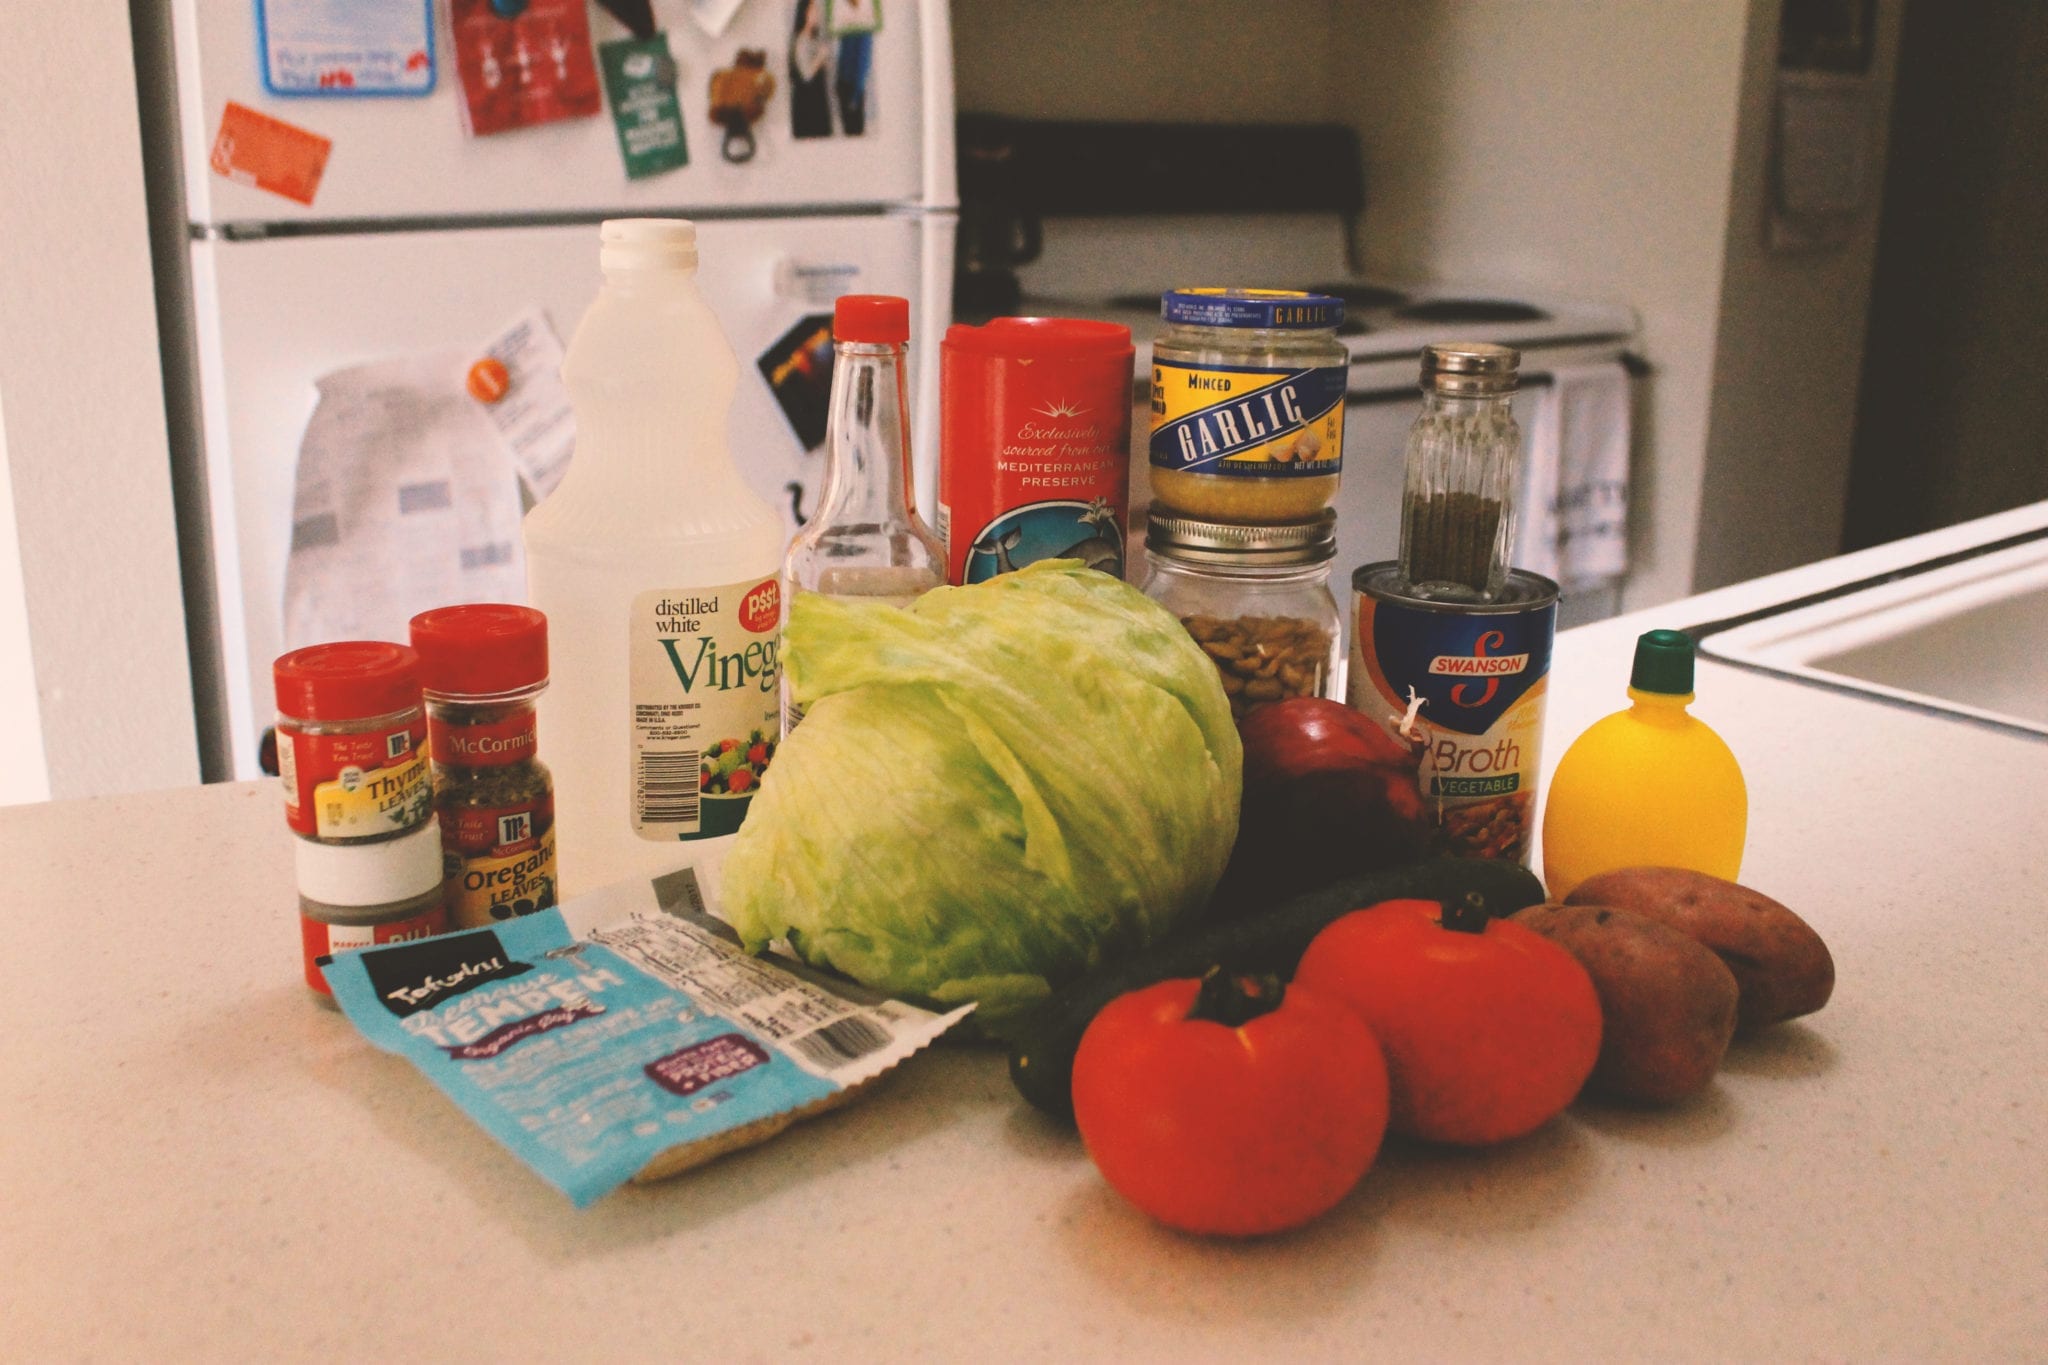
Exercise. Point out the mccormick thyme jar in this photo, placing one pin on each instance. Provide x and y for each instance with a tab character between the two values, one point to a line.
1256	599
350	741
1248	404
483	666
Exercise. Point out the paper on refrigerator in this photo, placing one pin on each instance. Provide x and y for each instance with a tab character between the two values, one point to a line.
404	500
534	416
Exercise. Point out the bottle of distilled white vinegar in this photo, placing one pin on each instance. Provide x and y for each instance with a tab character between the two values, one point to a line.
658	570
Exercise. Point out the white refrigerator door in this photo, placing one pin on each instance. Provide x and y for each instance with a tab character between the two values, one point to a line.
401	157
274	315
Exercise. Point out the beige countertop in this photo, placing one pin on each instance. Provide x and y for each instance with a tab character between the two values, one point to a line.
201	1163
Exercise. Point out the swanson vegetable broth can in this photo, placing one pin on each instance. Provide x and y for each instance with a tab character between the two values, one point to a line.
1463	684
1034	445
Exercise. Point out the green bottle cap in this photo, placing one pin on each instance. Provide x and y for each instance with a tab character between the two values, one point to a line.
1663	663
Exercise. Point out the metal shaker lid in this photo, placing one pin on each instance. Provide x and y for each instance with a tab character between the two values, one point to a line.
1195	540
1469	369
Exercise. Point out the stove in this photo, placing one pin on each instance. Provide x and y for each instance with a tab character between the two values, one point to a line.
1116	268
1095	253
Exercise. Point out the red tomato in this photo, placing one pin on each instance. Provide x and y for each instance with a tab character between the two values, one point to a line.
739	780
1489	1028
1236	1128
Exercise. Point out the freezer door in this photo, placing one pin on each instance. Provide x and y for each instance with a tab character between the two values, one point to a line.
274	315
401	157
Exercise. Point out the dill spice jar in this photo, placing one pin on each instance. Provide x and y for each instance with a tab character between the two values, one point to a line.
483	666
363	896
1248	404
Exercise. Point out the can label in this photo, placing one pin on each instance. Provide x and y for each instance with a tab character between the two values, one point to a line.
355	786
705	670
485	744
322	939
499	860
1247	421
1469	686
1034	463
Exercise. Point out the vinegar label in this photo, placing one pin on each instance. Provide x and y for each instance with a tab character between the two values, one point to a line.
706	670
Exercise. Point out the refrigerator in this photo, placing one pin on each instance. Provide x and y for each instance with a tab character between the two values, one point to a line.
420	236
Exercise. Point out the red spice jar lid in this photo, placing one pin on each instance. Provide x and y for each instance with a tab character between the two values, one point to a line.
1037	337
347	680
481	649
871	317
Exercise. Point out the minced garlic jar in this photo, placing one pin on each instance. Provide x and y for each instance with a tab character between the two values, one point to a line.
1248	404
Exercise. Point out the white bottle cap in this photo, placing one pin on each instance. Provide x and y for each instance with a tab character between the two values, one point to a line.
400	869
643	243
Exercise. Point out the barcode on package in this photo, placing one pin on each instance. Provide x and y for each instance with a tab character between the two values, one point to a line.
842	1040
666	788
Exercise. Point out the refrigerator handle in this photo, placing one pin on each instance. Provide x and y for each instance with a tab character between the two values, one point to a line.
935	55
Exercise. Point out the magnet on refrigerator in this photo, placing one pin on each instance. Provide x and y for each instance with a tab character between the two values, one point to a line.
362	49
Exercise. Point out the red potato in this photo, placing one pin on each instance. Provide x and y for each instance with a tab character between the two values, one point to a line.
1780	964
1668	1002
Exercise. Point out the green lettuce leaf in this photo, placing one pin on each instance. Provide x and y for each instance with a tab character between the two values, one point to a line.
992	791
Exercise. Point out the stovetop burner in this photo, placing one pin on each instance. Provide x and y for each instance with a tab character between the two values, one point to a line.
1472	310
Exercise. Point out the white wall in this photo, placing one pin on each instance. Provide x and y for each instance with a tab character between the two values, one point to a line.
1577	145
24	776
1789	355
94	541
1217	61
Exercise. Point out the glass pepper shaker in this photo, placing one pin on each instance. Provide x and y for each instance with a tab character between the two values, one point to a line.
1457	501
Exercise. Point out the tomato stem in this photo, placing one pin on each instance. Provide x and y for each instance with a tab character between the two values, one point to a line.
1467	916
1233	999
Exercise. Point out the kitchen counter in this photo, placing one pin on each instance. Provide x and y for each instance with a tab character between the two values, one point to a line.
203	1163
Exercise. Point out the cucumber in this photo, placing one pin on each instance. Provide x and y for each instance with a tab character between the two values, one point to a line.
1044	1042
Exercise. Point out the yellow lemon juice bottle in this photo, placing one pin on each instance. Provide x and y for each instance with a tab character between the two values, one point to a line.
1649	786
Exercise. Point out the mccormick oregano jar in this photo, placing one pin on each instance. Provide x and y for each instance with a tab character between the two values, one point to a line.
1248	404
483	665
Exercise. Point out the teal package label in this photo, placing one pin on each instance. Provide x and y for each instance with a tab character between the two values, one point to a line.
640	86
594	1036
